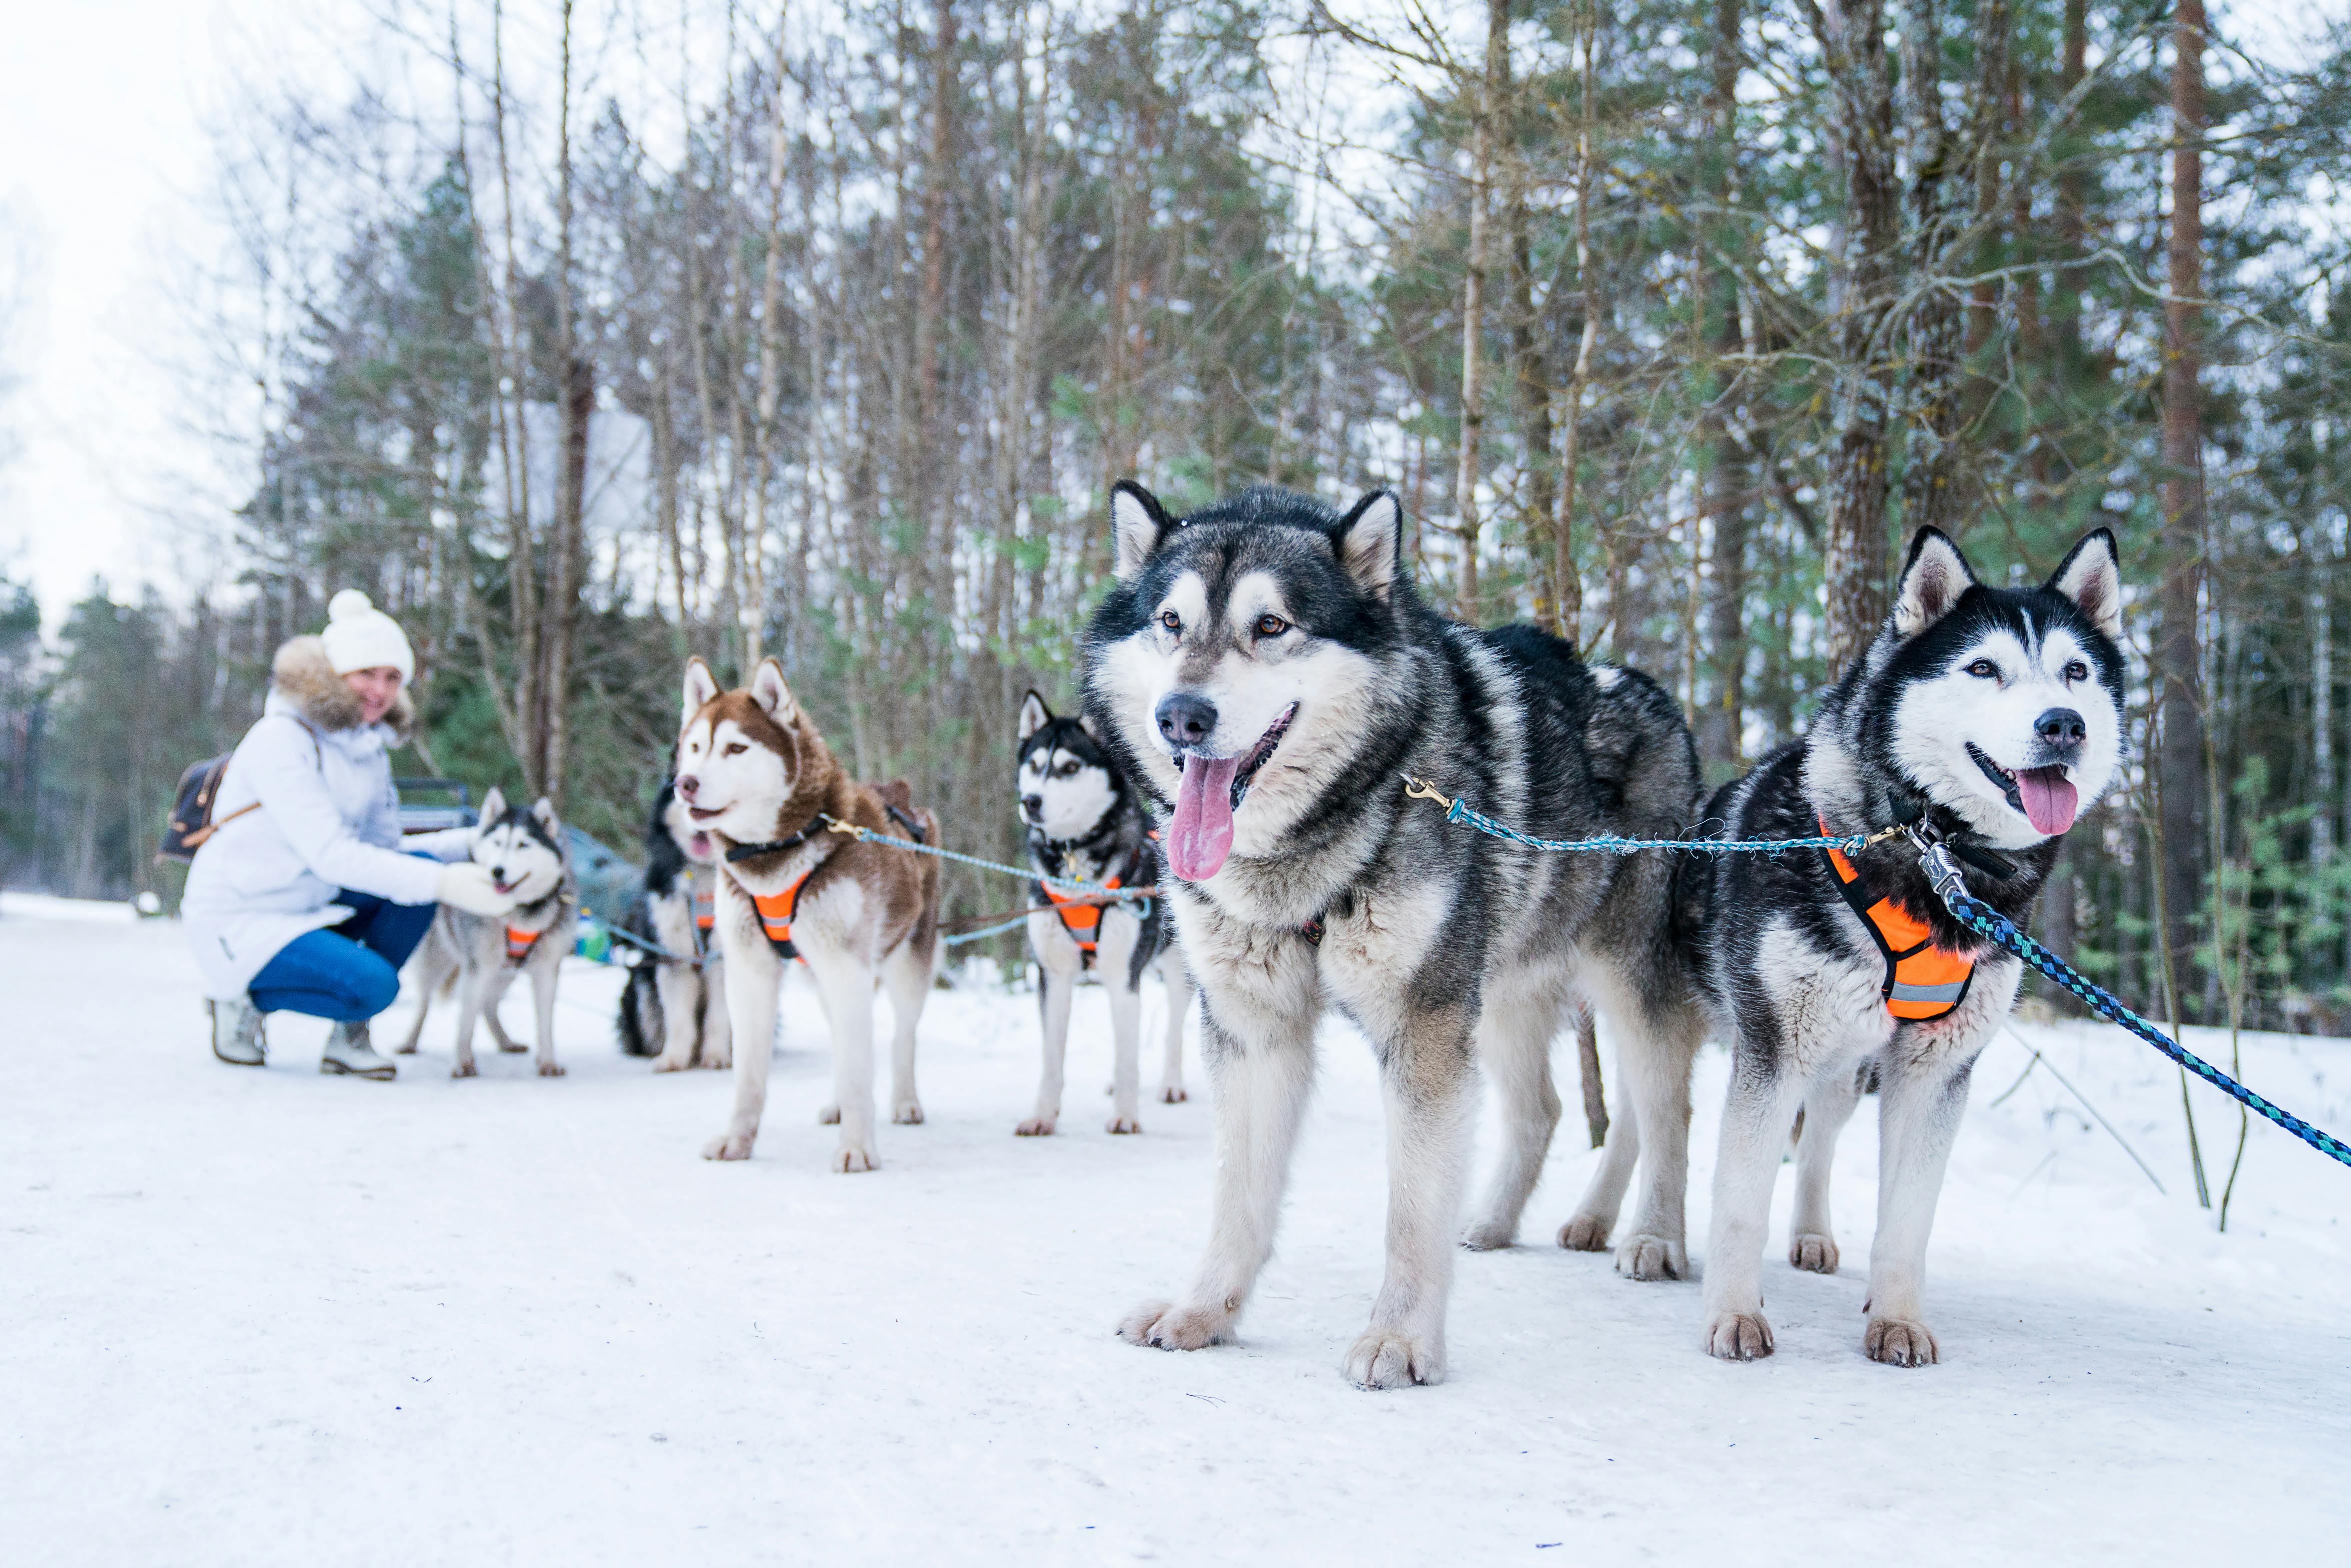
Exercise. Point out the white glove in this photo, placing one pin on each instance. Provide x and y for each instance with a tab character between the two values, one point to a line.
468	887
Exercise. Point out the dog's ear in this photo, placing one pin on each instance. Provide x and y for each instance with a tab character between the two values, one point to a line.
1034	715
1086	722
494	805
1931	583
1369	542
768	689
701	685
2091	576
1138	526
543	809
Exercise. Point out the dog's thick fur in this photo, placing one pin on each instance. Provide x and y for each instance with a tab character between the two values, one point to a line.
1084	824
523	849
673	1007
1793	975
1450	949
753	770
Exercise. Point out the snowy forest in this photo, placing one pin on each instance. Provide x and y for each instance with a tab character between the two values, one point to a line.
587	339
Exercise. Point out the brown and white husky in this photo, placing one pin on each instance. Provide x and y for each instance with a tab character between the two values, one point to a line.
757	778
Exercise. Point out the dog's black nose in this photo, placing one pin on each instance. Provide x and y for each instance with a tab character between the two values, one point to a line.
1186	719
1032	806
2061	729
687	785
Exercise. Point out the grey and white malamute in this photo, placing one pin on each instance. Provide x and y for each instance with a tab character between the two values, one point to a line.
1997	714
1084	824
673	1007
523	849
1265	667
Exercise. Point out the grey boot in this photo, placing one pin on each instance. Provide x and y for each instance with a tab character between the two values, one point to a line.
348	1052
237	1034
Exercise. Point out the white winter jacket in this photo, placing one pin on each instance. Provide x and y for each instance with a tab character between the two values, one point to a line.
328	818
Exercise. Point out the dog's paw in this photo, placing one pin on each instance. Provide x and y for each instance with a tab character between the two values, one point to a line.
729	1146
850	1158
1584	1233
1652	1258
719	1060
1383	1358
829	1116
665	1062
1036	1127
1126	1124
1490	1236
1813	1254
1172	1094
463	1070
1900	1341
551	1069
1160	1326
1737	1336
405	1048
908	1112
512	1047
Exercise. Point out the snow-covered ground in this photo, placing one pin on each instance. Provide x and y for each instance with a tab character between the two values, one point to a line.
270	1317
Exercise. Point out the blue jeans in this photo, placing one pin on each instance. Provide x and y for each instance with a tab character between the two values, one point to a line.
349	972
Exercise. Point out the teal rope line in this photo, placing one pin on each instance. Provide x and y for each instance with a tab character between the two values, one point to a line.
867	835
1459	812
1015	924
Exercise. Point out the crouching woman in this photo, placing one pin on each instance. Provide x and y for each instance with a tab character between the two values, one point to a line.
305	899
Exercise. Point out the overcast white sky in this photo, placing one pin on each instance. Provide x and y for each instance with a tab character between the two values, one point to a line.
104	165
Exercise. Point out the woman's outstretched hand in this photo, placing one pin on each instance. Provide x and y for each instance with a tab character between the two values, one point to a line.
466	886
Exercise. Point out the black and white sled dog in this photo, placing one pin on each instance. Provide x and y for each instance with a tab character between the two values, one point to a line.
523	846
673	1007
1084	824
1266	667
1998	712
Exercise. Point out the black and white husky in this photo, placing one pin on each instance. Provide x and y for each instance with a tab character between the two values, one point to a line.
673	1007
1266	667
1084	824
523	849
1999	714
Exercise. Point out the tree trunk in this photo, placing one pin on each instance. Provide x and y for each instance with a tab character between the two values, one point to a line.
1721	725
1473	299
1930	477
1534	394
2180	749
1565	582
1852	37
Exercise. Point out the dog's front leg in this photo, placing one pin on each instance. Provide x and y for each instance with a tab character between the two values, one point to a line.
1829	1104
709	995
1121	979
1262	1080
845	982
428	975
1179	1008
1920	1103
1764	1089
680	988
543	978
1514	1047
906	974
752	975
1057	990
471	985
1426	1081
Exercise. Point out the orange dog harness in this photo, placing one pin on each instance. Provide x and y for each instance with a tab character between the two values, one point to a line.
776	917
520	943
1081	919
1922	981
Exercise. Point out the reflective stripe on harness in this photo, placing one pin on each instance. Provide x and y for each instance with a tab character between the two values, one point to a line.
703	888
1080	919
520	943
776	917
1922	981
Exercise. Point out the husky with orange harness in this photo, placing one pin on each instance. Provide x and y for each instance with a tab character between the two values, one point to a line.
1085	824
1992	717
522	848
757	778
673	1007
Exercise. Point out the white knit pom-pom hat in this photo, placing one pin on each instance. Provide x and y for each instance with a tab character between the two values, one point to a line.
359	636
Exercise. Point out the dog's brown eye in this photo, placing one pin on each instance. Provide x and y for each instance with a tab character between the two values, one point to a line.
2077	671
1984	669
737	750
1172	621
1271	625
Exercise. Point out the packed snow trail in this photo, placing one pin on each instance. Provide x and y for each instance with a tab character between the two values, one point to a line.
270	1317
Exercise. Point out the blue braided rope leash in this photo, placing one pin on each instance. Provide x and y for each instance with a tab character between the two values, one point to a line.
1459	812
1943	872
867	835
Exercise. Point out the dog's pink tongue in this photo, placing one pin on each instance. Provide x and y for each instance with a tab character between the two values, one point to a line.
2049	799
1200	835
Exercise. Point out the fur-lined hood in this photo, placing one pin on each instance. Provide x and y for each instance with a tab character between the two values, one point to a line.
304	675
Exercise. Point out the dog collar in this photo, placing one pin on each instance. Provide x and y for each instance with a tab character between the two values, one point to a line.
741	853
